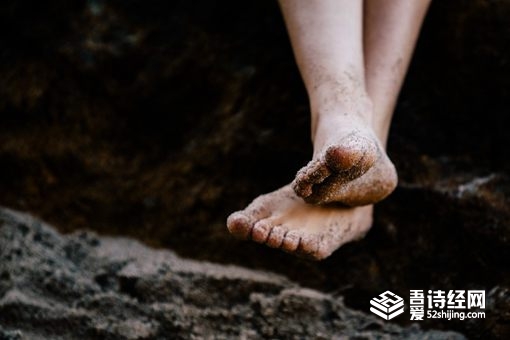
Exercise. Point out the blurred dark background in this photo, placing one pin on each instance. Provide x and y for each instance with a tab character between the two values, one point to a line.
156	119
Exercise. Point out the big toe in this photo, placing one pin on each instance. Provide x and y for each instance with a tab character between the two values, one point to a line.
354	155
239	225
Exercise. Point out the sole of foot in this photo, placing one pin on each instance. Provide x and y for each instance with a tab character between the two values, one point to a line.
349	165
372	187
283	220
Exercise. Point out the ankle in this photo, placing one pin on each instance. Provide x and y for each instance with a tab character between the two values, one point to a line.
331	104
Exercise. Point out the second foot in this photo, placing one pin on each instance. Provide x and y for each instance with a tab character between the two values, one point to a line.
350	165
372	187
283	220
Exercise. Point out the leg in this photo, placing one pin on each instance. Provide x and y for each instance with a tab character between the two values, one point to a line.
328	44
281	219
390	30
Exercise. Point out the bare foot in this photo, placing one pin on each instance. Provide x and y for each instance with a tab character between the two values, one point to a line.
282	220
349	164
375	185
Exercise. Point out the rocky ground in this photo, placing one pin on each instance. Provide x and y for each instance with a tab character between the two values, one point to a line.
83	286
156	121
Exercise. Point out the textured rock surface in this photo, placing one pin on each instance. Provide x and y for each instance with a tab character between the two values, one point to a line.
157	121
86	287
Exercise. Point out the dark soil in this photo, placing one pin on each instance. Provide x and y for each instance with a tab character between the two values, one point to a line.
85	287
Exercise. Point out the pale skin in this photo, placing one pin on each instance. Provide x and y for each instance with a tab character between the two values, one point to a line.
353	56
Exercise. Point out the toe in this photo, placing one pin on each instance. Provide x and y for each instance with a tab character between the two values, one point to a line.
309	245
327	191
322	252
239	225
318	173
302	187
320	195
355	153
315	172
291	241
276	237
260	231
341	157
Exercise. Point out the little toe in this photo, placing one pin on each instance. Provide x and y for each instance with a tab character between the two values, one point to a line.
323	251
261	230
276	237
239	225
309	245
